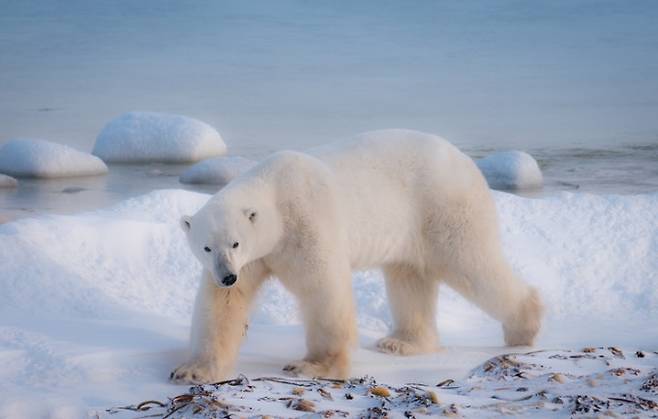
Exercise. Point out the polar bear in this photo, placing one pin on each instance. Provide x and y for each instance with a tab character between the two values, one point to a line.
407	202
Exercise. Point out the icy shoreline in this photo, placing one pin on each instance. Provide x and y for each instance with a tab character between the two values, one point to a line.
95	307
603	381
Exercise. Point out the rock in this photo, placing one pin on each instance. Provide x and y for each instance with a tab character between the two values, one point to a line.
7	181
511	170
216	171
45	159
140	137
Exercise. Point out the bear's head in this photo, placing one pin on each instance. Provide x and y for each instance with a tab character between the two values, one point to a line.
230	232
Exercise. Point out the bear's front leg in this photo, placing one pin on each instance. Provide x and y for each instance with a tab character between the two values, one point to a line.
218	326
330	322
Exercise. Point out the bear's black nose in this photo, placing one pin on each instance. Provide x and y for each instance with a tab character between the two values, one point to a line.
229	280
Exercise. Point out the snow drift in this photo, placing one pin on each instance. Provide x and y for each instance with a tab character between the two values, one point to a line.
216	171
95	307
591	256
156	137
511	170
44	159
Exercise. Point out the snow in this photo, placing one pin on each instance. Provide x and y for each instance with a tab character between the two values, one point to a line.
95	307
156	137
511	170
7	181
217	171
24	157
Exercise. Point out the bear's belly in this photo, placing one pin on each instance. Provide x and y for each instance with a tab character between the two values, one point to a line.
381	251
380	231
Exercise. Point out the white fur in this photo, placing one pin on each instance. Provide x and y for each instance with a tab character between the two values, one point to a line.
407	202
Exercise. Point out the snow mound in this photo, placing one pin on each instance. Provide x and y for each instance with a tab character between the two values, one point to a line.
45	159
7	181
217	171
156	137
101	263
590	255
511	170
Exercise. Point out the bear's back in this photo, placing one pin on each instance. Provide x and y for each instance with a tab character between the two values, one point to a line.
385	180
405	158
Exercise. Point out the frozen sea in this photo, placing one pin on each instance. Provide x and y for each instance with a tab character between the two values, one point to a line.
622	170
573	83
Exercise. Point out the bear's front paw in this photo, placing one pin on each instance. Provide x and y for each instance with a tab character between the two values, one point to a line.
395	346
305	368
196	372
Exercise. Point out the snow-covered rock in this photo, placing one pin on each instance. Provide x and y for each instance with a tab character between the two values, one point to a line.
7	181
511	170
45	159
156	137
217	171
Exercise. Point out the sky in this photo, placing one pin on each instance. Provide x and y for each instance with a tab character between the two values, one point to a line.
292	74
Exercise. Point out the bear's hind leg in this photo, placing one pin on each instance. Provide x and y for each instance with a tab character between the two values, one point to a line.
413	300
497	291
522	327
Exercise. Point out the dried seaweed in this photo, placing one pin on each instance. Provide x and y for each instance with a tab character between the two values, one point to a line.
516	384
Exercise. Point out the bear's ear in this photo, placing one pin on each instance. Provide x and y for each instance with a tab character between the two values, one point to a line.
251	214
186	223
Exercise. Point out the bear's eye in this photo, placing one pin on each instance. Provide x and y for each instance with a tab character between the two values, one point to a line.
207	249
236	244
